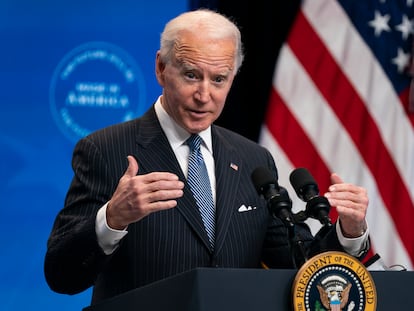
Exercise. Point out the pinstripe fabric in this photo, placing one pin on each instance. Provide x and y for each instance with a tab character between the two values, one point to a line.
200	186
168	242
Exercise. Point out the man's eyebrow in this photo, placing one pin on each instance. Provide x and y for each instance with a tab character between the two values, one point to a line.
187	65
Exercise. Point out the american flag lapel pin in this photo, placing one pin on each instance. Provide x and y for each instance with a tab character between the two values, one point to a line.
234	166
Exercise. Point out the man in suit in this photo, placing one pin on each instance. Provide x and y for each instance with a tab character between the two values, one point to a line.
130	217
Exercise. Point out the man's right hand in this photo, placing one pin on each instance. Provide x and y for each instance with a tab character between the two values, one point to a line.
137	196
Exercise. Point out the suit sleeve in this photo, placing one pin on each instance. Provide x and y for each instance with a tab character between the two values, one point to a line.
74	258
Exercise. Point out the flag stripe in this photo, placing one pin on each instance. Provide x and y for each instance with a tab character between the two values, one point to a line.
284	125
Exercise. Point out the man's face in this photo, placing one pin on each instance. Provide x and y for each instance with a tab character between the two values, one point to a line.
197	80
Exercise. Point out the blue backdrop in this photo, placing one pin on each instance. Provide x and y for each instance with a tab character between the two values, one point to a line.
66	68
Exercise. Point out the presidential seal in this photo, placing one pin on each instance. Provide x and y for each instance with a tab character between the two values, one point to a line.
333	281
95	85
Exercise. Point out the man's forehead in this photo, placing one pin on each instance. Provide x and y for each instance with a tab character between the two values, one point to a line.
194	52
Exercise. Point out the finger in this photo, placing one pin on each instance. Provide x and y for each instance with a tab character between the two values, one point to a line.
159	177
165	194
339	185
132	169
162	205
335	179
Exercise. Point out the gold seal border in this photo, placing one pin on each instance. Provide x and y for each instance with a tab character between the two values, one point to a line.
331	258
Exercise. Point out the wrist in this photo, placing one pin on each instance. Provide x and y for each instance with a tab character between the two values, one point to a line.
356	232
111	219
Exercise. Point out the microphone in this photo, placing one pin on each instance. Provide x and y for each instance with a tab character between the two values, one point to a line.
307	190
277	197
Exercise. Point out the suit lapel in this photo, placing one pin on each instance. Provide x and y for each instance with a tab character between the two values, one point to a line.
227	167
155	154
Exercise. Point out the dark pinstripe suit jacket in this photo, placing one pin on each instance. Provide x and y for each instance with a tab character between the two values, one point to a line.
172	241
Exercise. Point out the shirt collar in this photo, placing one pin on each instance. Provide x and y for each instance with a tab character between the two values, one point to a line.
176	135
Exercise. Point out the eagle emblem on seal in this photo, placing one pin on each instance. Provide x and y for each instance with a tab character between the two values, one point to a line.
334	292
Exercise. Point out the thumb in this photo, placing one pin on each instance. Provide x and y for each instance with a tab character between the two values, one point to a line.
132	169
335	179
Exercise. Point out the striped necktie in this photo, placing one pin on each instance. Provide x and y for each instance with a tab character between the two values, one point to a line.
200	186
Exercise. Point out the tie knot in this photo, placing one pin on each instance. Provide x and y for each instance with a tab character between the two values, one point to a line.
194	142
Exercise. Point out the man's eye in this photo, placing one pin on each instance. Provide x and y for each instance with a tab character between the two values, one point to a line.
190	75
219	79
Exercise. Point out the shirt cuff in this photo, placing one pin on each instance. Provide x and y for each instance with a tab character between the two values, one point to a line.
108	238
353	246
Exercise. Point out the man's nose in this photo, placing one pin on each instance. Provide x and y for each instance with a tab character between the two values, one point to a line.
202	93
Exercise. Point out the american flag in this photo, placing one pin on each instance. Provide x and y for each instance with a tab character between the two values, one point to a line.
340	103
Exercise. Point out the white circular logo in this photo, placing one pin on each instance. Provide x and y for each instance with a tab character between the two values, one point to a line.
95	85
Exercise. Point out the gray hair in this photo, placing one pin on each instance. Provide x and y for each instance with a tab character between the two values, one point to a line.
215	26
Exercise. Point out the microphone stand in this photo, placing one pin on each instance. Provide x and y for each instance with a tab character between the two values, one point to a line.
280	206
297	248
317	208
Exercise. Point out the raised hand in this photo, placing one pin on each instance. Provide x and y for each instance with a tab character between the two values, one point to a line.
136	196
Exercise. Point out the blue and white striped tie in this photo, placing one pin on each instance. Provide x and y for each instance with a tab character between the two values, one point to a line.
200	185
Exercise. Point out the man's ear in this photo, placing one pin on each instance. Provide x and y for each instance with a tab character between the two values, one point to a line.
159	69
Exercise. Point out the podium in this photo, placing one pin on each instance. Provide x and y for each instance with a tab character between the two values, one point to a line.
207	289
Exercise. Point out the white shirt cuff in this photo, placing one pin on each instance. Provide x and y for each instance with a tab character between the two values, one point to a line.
353	246
108	238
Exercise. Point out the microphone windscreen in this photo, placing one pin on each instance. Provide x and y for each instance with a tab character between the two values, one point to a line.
301	178
262	177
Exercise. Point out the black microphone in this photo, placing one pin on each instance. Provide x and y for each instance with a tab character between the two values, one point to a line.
278	199
305	186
